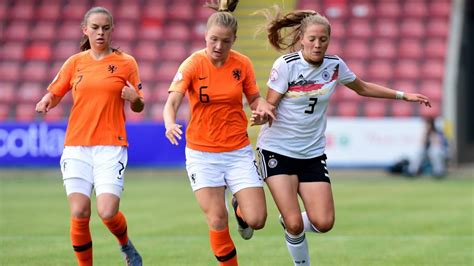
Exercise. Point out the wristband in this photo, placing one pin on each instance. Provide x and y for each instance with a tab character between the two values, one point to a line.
399	95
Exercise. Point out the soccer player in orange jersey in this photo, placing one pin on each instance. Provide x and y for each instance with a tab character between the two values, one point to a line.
100	79
218	150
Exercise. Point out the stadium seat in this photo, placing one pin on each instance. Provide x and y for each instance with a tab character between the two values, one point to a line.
74	11
154	11
438	27
380	69
359	28
415	9
25	112
151	31
29	92
125	31
407	69
55	114
356	49
390	9
17	31
13	50
440	8
197	45
435	48
412	28
374	108
65	49
174	51
362	9
198	31
124	46
345	94
403	109
166	71
9	70
109	4
180	10
127	11
21	11
202	13
70	30
433	69
177	31
434	111
338	29
406	85
336	9
160	92
8	92
156	112
44	31
358	67
347	109
35	71
433	89
48	11
4	111
147	71
38	50
146	51
309	4
335	47
410	48
386	28
383	48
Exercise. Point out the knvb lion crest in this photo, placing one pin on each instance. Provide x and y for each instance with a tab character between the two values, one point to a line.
237	73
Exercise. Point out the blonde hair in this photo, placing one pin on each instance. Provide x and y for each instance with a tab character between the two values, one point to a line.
223	16
284	31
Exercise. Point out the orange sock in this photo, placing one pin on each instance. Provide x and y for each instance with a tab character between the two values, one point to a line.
223	247
239	213
81	240
118	226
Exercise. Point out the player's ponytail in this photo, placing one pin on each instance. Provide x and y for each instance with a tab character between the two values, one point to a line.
224	16
284	31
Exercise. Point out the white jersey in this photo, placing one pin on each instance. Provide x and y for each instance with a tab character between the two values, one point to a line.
298	131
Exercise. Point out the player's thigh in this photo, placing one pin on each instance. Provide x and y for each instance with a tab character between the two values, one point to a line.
212	203
252	205
318	201
241	172
284	190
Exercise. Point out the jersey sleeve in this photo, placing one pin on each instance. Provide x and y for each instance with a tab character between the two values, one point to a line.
61	84
278	80
184	76
345	74
134	77
250	82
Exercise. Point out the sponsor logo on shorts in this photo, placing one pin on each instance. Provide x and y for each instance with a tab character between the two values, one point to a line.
272	163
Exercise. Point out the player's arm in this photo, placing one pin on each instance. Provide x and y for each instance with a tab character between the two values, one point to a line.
130	94
377	91
173	130
260	108
48	102
260	118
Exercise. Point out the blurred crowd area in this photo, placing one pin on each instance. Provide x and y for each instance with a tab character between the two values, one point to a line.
398	43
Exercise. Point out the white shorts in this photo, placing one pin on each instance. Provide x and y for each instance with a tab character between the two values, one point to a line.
99	167
235	169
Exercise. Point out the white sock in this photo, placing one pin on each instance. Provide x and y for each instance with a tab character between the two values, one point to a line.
308	226
298	248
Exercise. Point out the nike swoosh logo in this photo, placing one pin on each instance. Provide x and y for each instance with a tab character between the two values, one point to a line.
201	78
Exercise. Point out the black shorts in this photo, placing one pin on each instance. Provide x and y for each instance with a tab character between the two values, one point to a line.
307	170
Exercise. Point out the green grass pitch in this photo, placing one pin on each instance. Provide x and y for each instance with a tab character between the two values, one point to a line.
380	220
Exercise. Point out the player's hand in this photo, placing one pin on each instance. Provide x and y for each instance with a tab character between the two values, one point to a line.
264	112
129	93
258	118
43	106
415	97
174	132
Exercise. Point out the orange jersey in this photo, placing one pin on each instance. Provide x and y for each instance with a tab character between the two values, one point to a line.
218	121
97	115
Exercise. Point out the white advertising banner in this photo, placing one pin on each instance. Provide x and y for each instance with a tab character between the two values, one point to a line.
368	142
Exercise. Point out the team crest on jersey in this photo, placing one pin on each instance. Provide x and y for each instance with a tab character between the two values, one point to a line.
236	73
272	163
325	75
112	68
274	75
139	86
178	76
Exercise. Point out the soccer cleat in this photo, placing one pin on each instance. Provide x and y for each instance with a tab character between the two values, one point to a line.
131	254
245	231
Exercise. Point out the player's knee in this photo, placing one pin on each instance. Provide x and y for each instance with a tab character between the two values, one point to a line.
324	225
257	222
81	212
106	214
294	225
218	222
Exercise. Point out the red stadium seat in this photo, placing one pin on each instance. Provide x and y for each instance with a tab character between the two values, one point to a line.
21	11
48	11
202	14
386	28
174	51
347	109
55	114
160	92
434	111
440	8
362	10
12	51
356	49
198	31
147	71
8	92
359	28
146	51
156	112
127	11
35	71
403	109
433	69
70	30
180	11
125	31
310	4
384	49
336	9
433	89
347	95
151	31
9	71
335	47
166	71
65	49
410	49
407	69
154	11
416	9
374	108
17	31
4	111
177	31
74	11
438	27
40	50
389	9
108	4
25	112
124	46
406	85
43	31
338	29
412	28
358	67
30	92
435	48
380	69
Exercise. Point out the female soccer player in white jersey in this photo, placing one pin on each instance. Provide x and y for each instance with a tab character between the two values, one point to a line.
291	148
